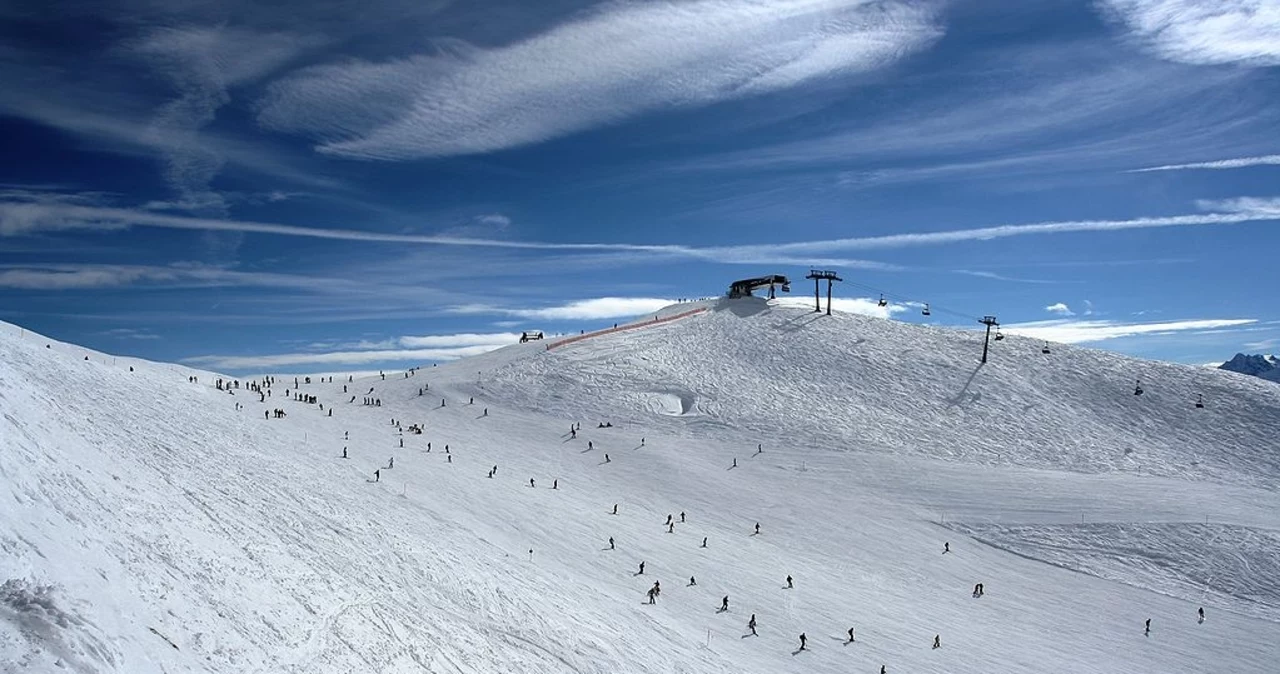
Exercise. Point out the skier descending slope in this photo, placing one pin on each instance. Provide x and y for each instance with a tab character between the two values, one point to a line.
751	625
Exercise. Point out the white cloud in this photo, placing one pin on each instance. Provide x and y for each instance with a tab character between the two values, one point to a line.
1081	332
459	340
267	362
1203	32
1060	308
864	306
580	310
416	349
1239	162
618	60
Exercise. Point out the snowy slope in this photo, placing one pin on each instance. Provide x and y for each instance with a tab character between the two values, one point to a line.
855	383
138	509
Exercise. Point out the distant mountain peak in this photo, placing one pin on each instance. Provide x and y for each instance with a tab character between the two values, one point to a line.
1258	365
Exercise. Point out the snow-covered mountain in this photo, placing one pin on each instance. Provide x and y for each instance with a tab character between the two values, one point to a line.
1259	365
151	523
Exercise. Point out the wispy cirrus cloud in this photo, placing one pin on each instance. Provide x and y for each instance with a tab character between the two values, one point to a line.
616	61
1218	164
1203	33
17	218
202	64
1070	331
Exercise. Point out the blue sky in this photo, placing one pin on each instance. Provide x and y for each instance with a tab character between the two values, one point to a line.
341	185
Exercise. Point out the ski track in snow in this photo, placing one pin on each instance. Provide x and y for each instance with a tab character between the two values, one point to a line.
136	501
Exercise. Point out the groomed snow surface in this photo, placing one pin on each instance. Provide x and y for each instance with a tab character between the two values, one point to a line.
147	525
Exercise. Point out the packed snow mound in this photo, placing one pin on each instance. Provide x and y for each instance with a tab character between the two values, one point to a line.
854	383
154	520
1258	365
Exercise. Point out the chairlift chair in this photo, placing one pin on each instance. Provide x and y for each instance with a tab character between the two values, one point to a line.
1045	348
883	302
1137	388
1199	401
999	335
925	310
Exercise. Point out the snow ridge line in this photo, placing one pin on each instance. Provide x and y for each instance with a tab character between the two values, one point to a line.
622	328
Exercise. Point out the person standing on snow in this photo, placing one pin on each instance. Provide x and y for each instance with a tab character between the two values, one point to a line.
850	635
611	543
641	569
789	585
724	603
377	475
751	625
803	641
937	641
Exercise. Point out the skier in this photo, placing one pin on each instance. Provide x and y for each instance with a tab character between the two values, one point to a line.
652	596
641	569
759	449
377	475
850	635
642	442
657	588
735	463
531	483
803	641
344	452
1201	612
485	413
692	581
757	528
555	484
671	528
1148	628
724	603
789	585
883	670
704	541
611	543
669	518
751	625
682	517
573	433
495	469
615	509
391	463
606	458
450	458
590	446
402	442
946	547
937	641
